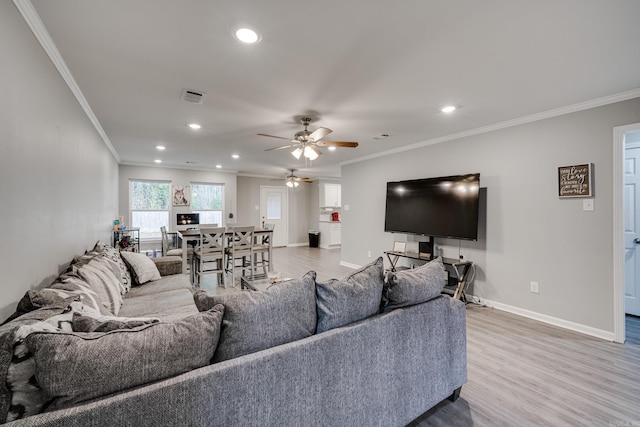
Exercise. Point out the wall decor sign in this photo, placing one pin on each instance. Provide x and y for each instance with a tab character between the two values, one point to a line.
180	195
575	181
399	246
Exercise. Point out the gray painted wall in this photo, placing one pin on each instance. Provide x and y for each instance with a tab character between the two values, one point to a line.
181	177
299	200
526	232
58	180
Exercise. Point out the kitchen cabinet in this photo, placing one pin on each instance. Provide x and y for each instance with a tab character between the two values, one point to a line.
330	195
330	234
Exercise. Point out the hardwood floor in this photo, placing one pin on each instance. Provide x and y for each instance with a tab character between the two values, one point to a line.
520	372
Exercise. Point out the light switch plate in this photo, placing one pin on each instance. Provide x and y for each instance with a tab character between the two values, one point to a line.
346	207
588	205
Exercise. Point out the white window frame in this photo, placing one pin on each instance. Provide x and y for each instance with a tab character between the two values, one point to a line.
220	223
155	236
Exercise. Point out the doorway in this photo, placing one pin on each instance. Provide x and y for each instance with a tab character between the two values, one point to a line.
274	208
626	226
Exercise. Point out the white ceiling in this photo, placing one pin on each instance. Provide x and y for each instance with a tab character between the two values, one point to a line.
358	67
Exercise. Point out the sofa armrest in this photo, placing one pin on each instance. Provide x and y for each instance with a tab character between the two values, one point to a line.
168	265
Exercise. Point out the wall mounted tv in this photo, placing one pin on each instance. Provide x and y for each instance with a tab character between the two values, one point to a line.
439	207
188	219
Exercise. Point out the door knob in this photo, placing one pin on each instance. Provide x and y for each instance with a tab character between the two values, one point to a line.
636	240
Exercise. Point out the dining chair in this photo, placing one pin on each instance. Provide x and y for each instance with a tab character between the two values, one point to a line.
240	248
209	256
166	244
261	248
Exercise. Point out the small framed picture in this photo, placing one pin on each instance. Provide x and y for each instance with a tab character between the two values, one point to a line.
399	246
181	195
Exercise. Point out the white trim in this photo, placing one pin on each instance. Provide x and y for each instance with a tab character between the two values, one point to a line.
623	96
348	264
42	35
291	245
576	327
618	231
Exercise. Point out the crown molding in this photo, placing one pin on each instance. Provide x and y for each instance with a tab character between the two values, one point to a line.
599	102
25	7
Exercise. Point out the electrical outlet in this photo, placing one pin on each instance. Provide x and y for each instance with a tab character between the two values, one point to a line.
369	254
534	287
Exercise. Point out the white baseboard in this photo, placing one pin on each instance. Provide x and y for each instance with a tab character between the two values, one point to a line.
576	327
291	245
348	264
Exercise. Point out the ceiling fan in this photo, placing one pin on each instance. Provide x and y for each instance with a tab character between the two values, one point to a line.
294	181
306	142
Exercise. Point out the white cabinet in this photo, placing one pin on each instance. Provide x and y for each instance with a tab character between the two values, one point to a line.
330	234
330	195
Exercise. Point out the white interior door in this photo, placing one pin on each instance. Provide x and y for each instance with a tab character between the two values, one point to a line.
274	210
631	229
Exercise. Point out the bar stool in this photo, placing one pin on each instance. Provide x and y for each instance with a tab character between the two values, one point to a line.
240	248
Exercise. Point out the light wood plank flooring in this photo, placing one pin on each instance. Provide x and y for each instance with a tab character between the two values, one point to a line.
520	372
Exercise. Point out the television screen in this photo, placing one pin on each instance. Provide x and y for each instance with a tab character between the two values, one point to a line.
439	207
188	219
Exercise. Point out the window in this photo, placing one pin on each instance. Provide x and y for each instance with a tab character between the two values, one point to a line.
149	207
207	200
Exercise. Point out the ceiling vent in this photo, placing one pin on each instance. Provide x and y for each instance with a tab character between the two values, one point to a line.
193	96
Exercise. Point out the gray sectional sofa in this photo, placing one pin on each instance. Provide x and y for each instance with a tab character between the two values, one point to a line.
355	351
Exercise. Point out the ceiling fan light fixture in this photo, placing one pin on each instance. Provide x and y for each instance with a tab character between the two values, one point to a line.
297	153
310	153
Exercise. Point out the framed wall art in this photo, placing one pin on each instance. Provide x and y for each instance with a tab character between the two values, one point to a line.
575	181
180	195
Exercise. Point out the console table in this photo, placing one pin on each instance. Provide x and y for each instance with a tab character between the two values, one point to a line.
460	268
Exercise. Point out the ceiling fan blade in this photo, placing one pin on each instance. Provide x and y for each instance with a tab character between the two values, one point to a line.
316	149
279	137
319	134
306	180
281	147
337	144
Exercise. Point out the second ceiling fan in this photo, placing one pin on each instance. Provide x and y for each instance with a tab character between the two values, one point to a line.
306	142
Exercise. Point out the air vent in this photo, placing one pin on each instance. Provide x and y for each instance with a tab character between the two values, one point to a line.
193	96
381	136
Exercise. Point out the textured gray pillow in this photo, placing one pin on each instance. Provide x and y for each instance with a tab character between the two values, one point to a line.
352	298
409	287
104	363
143	269
88	322
254	321
103	282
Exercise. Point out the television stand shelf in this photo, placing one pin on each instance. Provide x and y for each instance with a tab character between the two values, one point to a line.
459	267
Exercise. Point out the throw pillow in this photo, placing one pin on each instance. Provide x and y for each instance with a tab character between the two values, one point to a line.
352	298
71	284
98	360
114	255
20	395
103	282
143	269
89	322
415	286
255	321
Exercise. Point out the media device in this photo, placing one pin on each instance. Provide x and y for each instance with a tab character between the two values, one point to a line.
439	207
188	219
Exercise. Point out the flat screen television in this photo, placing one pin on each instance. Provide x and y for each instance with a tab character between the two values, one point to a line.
439	207
188	219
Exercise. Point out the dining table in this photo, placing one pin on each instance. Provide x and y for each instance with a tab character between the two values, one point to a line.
193	235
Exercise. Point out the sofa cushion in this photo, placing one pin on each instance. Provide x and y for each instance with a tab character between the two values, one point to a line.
171	305
352	298
255	320
409	287
167	283
71	284
105	363
103	282
114	255
142	268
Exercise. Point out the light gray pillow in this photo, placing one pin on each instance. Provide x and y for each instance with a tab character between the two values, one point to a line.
352	298
89	322
255	320
104	363
415	286
143	269
103	282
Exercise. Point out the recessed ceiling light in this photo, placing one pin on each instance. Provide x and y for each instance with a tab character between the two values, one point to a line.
158	161
235	156
247	35
448	109
160	147
194	126
218	166
332	148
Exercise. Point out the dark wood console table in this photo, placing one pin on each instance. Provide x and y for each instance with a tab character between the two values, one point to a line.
460	268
